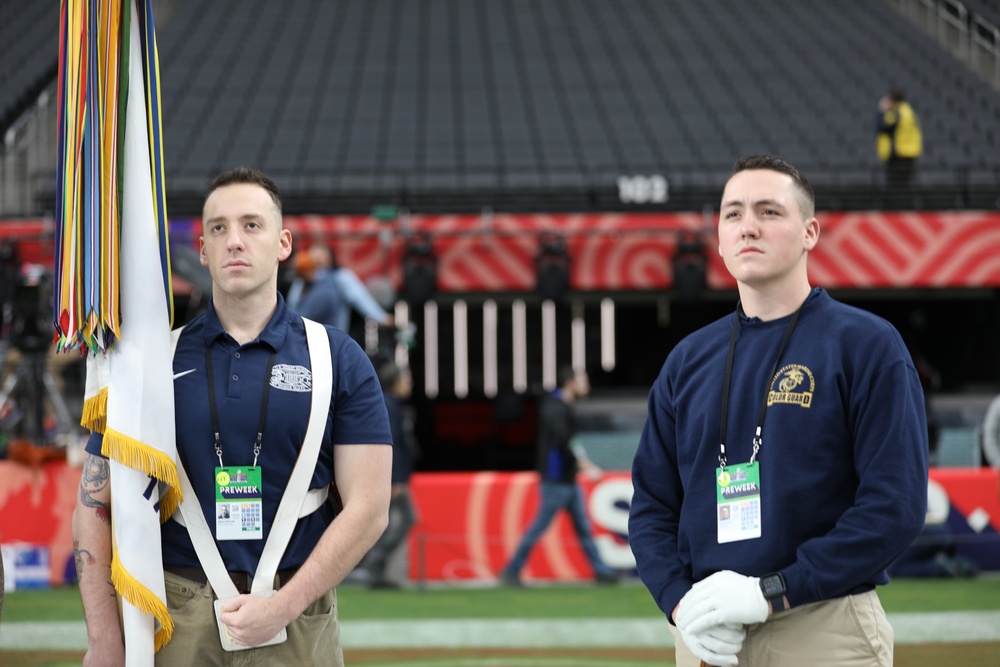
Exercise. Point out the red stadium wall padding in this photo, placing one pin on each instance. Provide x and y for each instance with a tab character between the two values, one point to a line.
634	251
36	507
612	251
470	523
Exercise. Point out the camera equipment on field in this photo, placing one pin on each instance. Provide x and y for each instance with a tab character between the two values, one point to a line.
29	390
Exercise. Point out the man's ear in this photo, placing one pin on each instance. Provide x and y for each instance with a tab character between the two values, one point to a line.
812	233
201	251
285	244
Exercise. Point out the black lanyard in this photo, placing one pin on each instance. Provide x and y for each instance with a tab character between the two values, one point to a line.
757	441
215	414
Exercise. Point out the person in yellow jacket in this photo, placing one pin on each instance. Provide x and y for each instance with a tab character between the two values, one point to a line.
899	141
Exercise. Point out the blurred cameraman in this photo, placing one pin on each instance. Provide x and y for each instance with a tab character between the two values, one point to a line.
32	374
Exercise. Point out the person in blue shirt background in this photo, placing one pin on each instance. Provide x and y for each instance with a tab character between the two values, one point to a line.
783	463
326	292
245	363
558	464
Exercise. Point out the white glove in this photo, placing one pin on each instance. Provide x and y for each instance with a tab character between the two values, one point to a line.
724	597
717	645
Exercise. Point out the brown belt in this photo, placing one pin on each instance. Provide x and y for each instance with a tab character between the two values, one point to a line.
240	579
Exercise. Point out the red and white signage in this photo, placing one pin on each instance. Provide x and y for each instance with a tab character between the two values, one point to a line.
471	523
634	252
611	251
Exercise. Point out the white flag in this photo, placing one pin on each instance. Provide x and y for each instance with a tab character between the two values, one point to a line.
139	436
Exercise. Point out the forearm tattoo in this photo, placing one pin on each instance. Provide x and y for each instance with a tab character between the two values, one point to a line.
82	557
96	476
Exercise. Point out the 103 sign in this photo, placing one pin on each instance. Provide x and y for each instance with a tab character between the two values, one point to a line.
652	189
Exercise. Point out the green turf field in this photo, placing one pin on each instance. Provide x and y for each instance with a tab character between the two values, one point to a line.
563	601
519	615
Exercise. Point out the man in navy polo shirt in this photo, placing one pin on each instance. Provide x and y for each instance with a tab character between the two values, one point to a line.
243	367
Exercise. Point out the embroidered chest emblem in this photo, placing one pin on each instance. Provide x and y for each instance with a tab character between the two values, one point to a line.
291	378
794	384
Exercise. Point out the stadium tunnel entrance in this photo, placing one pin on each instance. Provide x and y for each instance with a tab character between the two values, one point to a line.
471	418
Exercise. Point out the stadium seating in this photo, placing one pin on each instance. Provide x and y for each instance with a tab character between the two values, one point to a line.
421	100
987	9
546	103
29	33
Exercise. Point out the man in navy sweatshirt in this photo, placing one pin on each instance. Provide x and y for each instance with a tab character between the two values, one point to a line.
783	464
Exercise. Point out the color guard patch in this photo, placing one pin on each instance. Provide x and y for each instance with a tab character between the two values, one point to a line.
794	384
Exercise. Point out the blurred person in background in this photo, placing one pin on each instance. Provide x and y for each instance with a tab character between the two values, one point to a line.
326	292
763	542
899	141
397	387
559	461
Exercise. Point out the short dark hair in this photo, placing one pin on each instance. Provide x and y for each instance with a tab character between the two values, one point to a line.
807	197
249	176
897	95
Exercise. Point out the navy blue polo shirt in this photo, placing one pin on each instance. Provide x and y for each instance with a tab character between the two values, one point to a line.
357	416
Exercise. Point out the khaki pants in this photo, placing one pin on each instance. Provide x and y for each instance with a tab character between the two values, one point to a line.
313	638
851	631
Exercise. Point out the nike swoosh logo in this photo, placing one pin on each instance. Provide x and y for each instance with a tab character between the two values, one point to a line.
182	374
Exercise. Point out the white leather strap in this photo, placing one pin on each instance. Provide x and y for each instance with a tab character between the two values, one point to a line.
321	363
197	527
201	538
297	500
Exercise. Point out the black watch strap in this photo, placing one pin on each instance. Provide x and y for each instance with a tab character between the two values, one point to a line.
772	586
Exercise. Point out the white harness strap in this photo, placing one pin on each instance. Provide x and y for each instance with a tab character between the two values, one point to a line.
321	362
296	502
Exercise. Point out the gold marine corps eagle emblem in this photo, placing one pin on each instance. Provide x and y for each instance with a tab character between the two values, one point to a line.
794	384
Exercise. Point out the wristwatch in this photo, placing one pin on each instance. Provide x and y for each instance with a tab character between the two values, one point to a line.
773	587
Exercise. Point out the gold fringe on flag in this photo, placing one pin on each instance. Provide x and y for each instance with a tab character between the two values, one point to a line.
141	598
95	412
132	453
169	502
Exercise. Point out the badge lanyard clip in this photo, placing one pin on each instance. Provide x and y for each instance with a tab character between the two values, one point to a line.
218	448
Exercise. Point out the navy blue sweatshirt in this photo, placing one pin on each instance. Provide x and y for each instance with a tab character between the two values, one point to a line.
843	463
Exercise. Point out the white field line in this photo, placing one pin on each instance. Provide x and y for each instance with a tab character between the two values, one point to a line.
515	661
69	635
508	633
910	628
